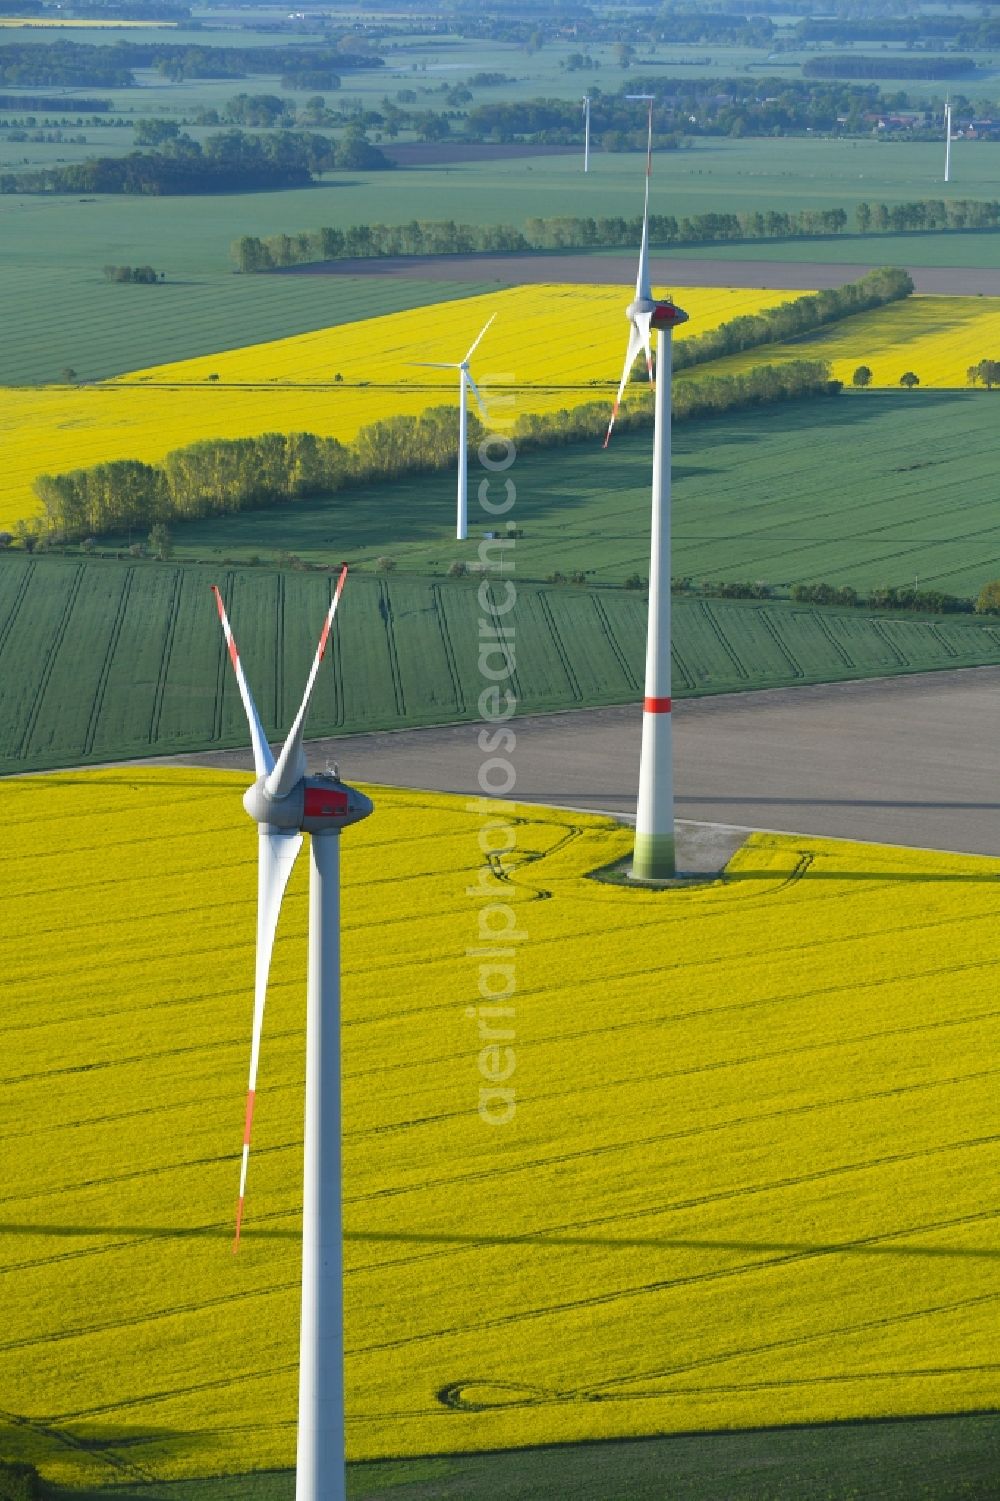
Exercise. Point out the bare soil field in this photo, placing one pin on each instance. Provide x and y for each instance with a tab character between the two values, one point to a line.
602	270
445	153
909	760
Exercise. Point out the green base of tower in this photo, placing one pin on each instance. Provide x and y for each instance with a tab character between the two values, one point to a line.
654	858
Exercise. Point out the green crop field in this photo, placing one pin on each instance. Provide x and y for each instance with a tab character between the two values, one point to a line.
865	490
56	318
939	1459
101	661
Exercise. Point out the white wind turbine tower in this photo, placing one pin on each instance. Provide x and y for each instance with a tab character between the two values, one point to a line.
653	858
285	802
947	140
586	132
465	381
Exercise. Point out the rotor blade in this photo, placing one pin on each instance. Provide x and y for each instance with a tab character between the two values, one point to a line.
479	340
644	328
291	763
642	287
263	761
434	365
634	345
276	856
479	400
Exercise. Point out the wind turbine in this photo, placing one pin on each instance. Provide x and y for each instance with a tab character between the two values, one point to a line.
653	858
286	802
947	140
464	382
586	132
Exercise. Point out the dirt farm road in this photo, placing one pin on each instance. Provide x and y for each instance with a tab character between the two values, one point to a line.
908	760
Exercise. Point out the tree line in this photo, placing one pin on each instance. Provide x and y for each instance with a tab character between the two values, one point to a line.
885	65
65	62
253	253
223	476
58	104
225	162
927	213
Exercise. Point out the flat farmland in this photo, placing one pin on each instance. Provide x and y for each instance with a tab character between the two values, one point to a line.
746	1184
290	384
57	318
52	247
930	1459
866	490
104	661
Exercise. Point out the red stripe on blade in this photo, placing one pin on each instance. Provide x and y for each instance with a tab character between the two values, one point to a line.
656	705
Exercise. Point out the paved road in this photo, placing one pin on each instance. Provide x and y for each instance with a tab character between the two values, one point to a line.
908	760
601	270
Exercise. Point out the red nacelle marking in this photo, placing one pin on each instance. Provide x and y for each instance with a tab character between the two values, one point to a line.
319	803
665	313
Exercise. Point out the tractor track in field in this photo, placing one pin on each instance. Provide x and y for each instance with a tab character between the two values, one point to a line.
101	689
764	1264
562	654
508	1393
15	604
50	660
621	657
173	611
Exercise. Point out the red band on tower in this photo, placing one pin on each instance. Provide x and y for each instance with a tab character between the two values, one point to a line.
656	705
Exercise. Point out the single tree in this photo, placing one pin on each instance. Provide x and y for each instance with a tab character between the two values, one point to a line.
988	602
988	371
160	544
25	535
154	131
67	375
909	380
862	377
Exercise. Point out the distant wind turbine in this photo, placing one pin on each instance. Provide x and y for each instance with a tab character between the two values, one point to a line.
586	132
653	858
285	802
947	140
465	381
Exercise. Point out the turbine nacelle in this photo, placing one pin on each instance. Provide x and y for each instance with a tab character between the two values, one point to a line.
660	314
320	804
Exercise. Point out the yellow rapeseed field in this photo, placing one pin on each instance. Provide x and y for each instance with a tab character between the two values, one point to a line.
748	1179
938	338
544	336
